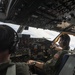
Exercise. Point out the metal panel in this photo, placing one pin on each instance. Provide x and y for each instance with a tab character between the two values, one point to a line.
68	68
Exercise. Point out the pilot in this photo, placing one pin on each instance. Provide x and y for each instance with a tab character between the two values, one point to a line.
61	50
8	42
63	43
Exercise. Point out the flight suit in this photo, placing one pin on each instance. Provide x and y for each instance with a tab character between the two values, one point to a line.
49	66
21	68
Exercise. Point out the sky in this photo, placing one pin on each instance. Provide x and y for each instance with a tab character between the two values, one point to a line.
41	33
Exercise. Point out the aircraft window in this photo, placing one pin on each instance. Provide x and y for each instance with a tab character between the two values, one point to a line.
41	33
72	42
14	26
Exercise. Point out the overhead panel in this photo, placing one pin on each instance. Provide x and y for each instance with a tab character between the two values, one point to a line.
38	13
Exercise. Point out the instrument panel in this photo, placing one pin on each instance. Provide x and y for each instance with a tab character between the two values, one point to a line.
33	48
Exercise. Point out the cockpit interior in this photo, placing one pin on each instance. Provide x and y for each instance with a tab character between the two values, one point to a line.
56	15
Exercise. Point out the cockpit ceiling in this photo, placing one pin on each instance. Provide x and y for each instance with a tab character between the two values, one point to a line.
38	13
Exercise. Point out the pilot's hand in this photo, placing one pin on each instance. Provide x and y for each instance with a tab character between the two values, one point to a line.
31	62
53	45
56	56
56	47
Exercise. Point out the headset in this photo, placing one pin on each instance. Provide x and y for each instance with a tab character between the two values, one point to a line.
14	46
65	39
13	39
